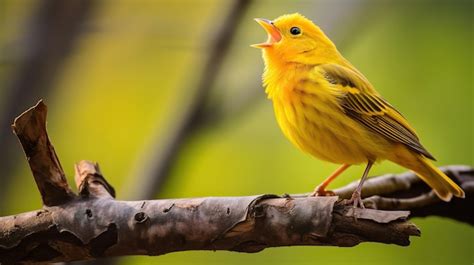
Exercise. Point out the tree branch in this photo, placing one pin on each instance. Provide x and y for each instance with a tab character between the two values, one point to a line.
408	192
96	226
93	224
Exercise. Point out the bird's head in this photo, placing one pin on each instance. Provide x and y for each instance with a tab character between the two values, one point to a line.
294	38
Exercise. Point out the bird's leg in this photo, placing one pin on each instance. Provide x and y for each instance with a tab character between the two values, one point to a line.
356	198
320	190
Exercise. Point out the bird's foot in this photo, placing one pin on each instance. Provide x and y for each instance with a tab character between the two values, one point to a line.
355	200
320	191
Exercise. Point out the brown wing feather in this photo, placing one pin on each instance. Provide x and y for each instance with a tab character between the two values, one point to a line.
363	104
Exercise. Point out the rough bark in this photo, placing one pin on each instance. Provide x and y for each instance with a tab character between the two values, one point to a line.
92	224
92	227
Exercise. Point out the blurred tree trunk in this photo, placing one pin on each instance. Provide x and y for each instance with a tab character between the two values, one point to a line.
158	163
50	36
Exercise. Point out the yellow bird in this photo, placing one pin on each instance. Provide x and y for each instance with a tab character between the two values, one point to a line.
327	108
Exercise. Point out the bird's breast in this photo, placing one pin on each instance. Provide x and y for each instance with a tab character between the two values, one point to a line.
310	116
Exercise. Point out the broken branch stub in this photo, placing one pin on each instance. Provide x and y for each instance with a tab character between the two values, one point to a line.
30	128
89	180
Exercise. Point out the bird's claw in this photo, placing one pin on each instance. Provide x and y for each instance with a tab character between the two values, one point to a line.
355	200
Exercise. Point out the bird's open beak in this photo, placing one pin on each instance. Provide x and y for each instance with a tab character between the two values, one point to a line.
274	34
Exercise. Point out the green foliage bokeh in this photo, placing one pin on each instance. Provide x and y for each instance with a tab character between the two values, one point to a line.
130	76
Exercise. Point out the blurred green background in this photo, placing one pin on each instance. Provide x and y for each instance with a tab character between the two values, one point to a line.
120	87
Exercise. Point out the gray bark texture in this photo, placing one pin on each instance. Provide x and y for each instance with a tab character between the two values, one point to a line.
92	224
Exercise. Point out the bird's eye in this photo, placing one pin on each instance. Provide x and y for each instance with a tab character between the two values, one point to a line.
295	31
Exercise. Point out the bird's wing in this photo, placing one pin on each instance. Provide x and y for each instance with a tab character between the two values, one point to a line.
362	103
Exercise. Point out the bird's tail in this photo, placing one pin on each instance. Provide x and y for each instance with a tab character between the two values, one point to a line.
442	185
